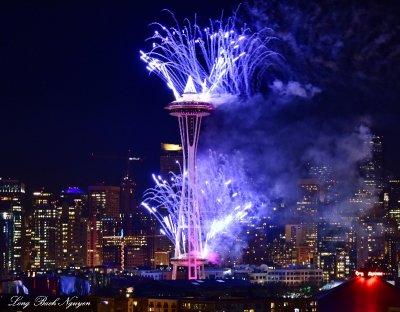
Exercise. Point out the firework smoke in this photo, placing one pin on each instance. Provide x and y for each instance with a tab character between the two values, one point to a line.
334	44
340	61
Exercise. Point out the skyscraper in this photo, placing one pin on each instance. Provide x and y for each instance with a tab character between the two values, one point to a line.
171	159
336	249
256	236
309	199
392	198
367	197
304	239
372	167
369	207
12	194
72	227
327	182
129	207
104	220
44	230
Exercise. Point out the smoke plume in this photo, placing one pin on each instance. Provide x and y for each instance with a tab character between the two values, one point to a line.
317	105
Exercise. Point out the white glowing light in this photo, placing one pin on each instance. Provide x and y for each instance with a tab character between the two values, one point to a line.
369	273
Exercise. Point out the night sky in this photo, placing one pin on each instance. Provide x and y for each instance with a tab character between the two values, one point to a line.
72	83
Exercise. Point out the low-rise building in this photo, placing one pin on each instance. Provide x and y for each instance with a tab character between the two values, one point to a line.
217	273
294	276
258	277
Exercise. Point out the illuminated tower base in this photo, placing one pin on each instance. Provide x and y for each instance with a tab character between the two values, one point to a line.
194	265
188	241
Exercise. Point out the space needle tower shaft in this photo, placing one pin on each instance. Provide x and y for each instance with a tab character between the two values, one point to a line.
188	241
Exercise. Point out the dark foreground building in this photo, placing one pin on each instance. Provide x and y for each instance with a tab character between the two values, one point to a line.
169	296
213	295
361	294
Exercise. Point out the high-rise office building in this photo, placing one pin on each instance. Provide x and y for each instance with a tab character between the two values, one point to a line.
104	220
256	236
370	206
327	182
94	244
367	198
371	243
129	207
112	251
392	200
135	221
12	194
304	239
130	212
44	231
26	253
72	227
372	167
309	199
336	249
279	251
392	212
171	159
104	200
127	252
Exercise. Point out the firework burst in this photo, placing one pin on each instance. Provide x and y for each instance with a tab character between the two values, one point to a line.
224	195
215	62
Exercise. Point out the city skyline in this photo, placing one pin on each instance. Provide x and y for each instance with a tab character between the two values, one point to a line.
90	224
290	199
73	85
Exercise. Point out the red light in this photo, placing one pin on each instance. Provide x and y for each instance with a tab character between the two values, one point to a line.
371	282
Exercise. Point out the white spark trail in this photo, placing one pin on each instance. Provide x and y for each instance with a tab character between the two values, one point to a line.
222	59
225	200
